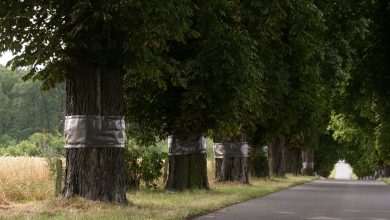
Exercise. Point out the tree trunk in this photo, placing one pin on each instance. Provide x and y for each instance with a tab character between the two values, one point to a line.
386	171
259	166
293	161
308	163
187	166
95	173
231	162
277	159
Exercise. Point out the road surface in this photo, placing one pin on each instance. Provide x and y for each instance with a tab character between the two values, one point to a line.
319	200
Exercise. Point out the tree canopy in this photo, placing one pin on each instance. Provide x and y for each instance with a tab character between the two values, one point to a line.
306	70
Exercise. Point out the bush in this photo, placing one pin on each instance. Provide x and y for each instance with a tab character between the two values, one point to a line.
258	162
6	140
38	144
144	165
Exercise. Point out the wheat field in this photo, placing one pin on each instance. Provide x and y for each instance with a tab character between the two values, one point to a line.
24	179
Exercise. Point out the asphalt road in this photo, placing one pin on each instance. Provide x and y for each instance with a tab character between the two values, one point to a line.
322	200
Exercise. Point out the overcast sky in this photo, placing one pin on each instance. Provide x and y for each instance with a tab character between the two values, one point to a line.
5	57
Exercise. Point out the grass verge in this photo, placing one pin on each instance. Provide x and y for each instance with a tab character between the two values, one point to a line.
386	180
152	204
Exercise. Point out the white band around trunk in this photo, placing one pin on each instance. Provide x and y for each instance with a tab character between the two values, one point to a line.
180	147
306	165
231	149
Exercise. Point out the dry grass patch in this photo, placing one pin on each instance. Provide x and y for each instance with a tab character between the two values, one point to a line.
24	179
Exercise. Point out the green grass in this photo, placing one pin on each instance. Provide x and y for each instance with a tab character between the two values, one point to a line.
333	173
386	180
152	204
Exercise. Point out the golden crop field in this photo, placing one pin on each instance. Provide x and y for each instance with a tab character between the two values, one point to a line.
24	179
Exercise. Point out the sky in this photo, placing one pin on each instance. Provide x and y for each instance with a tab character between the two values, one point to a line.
343	170
5	57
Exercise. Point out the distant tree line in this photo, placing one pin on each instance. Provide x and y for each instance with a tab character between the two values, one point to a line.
25	109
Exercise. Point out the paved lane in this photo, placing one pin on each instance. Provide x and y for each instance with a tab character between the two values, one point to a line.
321	200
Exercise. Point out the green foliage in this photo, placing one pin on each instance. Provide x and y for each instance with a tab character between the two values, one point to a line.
364	94
6	140
38	144
290	48
53	36
144	165
356	144
273	68
258	162
25	109
326	155
206	82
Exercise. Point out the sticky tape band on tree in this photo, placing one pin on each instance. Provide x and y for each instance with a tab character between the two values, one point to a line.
177	146
306	165
94	131
231	149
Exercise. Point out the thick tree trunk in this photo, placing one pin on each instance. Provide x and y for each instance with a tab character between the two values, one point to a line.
259	166
277	158
95	173
187	170
293	161
308	163
231	162
386	171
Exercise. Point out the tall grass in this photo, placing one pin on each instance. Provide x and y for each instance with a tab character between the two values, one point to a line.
24	179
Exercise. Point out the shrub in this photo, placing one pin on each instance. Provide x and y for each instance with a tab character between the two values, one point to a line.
144	165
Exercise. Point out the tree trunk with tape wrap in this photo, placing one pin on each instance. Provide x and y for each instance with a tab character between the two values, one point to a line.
187	170
276	151
231	163
95	173
308	163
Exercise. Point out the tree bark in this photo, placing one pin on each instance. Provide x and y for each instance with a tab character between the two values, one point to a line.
231	167
308	163
386	171
277	158
95	173
187	171
293	161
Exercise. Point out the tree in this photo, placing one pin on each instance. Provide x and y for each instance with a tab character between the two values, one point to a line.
364	94
231	159
357	143
206	84
326	155
91	45
289	40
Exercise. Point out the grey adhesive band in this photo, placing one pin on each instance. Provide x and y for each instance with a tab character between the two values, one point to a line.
94	131
179	147
306	165
238	149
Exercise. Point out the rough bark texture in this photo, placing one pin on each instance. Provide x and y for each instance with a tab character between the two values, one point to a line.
188	171
95	173
259	166
386	171
293	161
276	156
232	169
308	160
